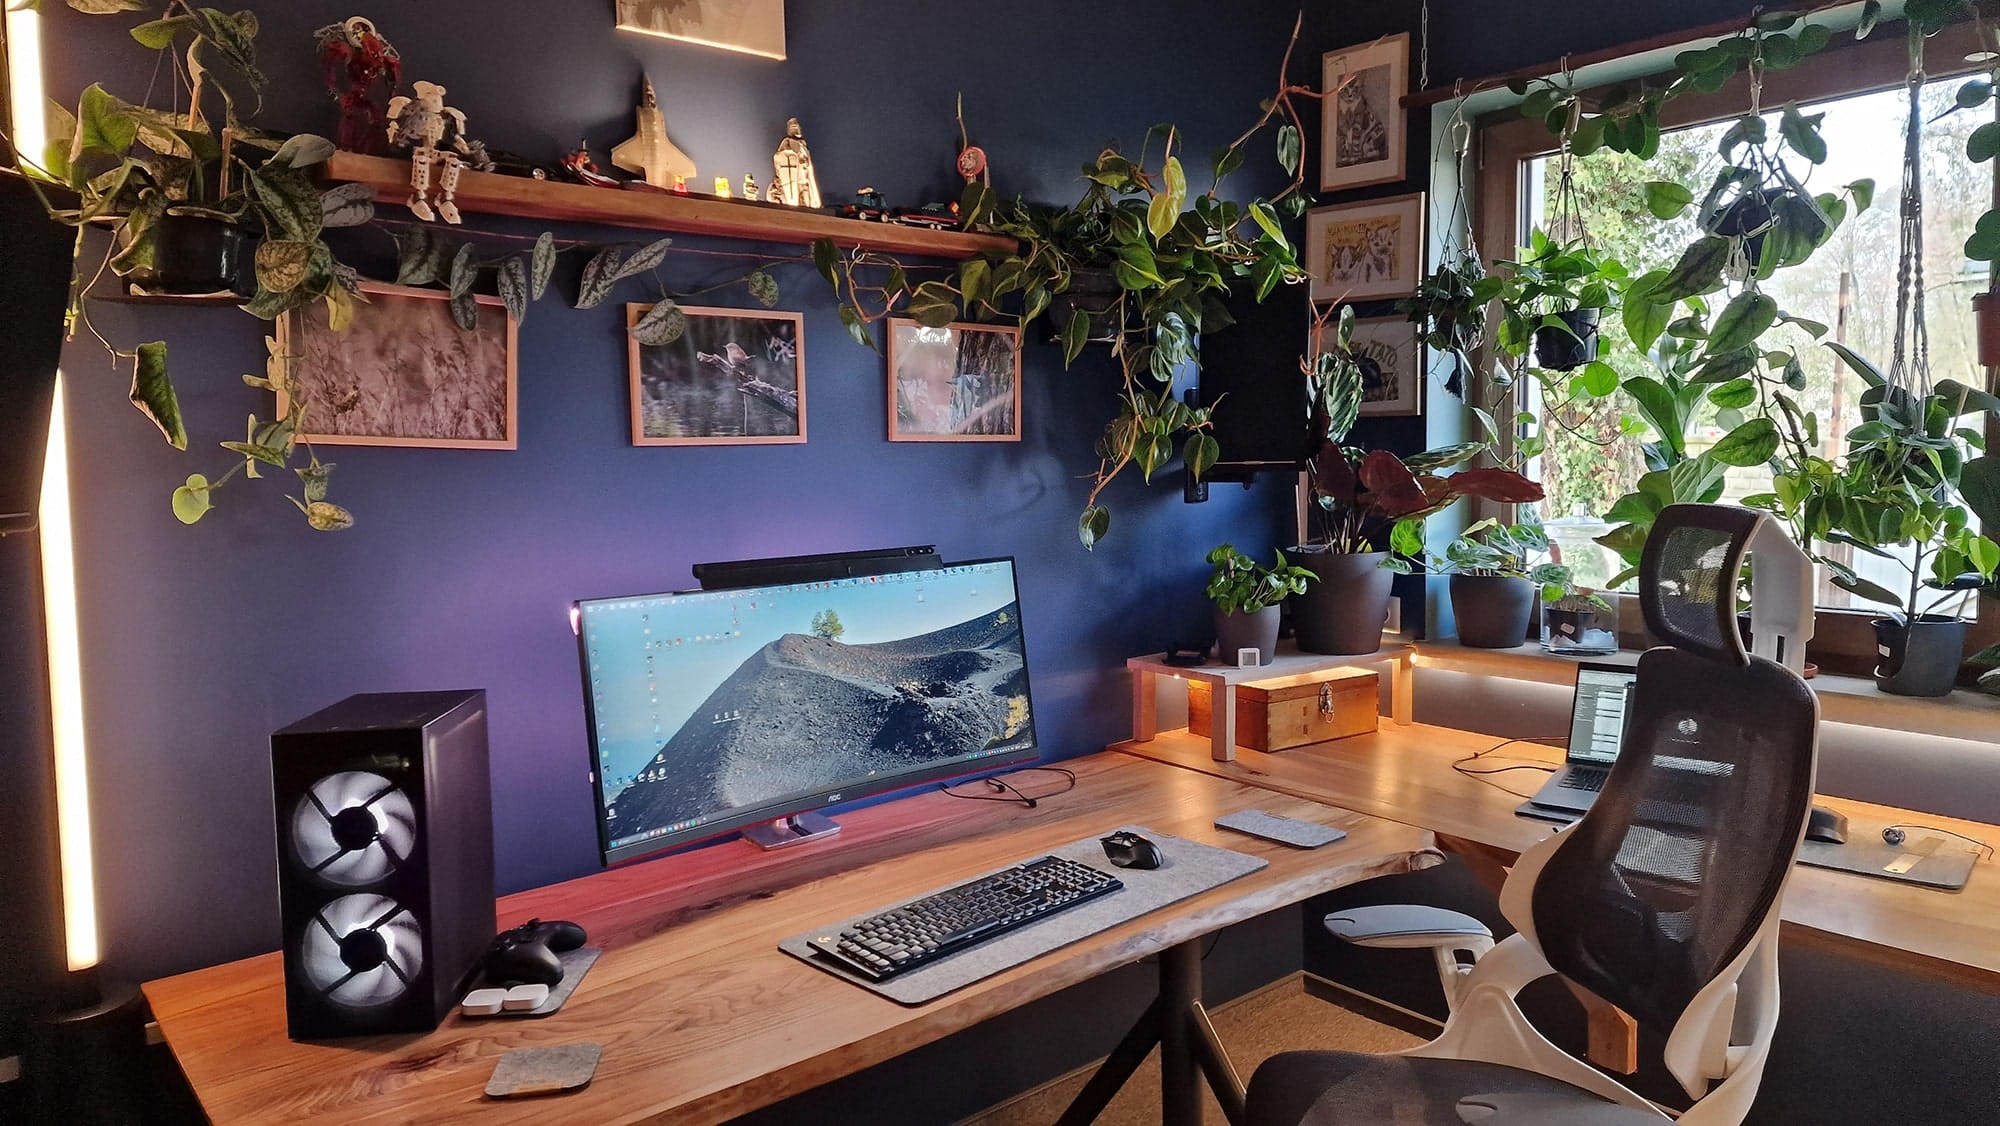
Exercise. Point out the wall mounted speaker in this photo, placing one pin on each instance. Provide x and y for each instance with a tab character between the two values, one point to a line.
385	860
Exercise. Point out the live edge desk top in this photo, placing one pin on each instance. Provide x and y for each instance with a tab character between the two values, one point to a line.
701	1017
1404	773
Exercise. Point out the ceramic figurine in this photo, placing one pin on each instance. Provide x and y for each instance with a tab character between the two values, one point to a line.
722	187
435	134
792	167
373	69
650	152
773	193
749	186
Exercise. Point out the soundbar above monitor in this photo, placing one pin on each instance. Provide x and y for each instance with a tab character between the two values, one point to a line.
711	711
739	573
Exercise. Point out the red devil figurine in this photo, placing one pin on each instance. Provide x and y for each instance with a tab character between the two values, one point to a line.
373	71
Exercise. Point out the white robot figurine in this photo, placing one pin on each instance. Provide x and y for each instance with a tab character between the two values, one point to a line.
435	134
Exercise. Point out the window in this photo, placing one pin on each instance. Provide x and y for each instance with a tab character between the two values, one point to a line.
1592	457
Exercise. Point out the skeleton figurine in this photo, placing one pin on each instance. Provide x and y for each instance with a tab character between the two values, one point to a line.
792	168
435	134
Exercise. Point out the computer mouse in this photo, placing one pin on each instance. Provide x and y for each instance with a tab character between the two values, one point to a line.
1825	825
1130	850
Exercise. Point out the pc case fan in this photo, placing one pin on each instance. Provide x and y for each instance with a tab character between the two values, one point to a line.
362	950
353	828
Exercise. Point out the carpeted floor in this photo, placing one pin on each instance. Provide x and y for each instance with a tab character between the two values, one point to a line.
1280	1019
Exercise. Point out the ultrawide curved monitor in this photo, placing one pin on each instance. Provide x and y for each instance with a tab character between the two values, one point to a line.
713	710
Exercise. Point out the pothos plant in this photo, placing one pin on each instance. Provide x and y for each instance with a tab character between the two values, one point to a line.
1174	254
1241	585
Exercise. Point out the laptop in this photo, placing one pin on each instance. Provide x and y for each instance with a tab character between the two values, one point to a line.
1596	734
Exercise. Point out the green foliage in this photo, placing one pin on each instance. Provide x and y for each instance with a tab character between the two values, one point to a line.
1240	585
826	625
1490	548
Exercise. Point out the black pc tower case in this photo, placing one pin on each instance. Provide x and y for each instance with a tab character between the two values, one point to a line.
385	860
1250	375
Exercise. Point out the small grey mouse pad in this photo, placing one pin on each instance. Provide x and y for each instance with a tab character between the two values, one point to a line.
1930	859
1189	870
575	964
1284	830
543	1071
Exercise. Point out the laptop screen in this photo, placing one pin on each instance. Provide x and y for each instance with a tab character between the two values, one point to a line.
1597	726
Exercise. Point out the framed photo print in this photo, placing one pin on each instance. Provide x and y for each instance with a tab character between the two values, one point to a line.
404	373
1392	370
960	383
1362	251
754	27
734	377
1362	124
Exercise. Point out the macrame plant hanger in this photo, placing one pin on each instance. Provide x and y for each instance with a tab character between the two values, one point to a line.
1910	363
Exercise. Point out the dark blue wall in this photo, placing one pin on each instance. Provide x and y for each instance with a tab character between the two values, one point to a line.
200	641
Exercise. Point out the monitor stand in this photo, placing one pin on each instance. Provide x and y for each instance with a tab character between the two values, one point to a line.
788	831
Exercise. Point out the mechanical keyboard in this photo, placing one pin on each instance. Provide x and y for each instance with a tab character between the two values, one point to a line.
903	938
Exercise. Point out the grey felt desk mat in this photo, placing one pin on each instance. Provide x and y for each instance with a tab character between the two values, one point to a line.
1189	870
1865	853
575	964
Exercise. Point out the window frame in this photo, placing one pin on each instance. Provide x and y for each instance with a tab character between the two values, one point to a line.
1505	143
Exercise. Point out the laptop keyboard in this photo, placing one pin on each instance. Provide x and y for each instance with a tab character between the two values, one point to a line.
1576	778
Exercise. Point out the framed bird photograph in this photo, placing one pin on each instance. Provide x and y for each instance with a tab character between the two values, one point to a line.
959	383
1362	119
404	373
733	377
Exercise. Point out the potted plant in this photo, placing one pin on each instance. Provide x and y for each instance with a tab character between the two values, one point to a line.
1576	621
1556	294
1492	593
1248	598
1449	311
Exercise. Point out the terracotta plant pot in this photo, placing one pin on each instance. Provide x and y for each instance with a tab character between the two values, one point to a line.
1986	314
1558	350
1920	659
1492	611
1344	608
1256	630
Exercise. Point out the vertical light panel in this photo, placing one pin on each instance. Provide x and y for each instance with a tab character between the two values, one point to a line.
66	699
25	110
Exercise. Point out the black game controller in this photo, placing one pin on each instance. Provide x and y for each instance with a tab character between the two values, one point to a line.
526	955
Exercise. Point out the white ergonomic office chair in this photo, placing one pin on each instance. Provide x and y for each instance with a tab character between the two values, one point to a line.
1663	900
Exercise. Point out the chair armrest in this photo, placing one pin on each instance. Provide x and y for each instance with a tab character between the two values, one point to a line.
1408	926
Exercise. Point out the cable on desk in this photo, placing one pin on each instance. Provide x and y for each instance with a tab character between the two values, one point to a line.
1460	767
1006	791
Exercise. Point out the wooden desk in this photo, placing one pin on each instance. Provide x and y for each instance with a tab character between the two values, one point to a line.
701	1017
1405	774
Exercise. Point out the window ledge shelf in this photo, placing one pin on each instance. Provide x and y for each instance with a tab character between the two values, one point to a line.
1964	714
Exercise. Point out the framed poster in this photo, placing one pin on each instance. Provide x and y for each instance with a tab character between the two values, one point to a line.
960	383
1392	369
404	373
1363	129
1363	251
754	27
734	377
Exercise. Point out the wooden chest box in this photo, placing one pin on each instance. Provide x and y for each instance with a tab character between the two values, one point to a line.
1292	711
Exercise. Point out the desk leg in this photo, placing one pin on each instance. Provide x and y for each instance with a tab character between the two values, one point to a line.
1402	690
1189	1052
1145	706
1222	723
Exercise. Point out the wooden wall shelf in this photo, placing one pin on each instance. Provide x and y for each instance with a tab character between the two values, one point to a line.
490	194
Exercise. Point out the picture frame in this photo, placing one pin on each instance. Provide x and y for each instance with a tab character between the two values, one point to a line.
1366	251
1363	127
1392	366
734	377
959	383
751	27
404	373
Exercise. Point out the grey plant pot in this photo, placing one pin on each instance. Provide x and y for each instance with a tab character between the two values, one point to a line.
1343	608
1920	659
1256	630
1492	611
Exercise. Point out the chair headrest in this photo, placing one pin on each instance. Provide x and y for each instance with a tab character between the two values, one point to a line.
1688	578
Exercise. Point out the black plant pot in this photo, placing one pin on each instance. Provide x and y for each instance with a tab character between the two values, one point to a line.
1343	610
1920	659
1093	291
1256	630
1557	350
1492	611
196	254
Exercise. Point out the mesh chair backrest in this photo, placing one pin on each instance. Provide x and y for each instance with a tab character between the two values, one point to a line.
1687	578
1671	873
